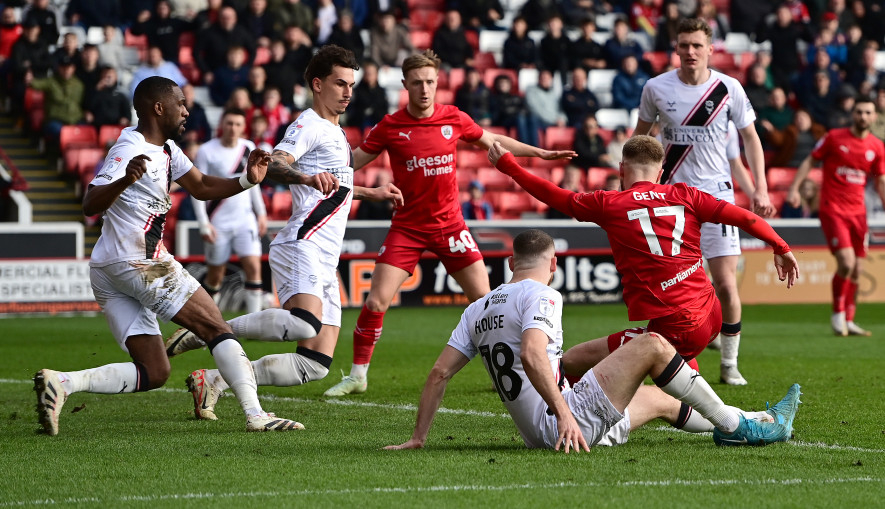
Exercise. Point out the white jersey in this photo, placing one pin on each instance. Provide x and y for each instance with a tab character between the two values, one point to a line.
492	327
238	211
318	146
133	225
694	126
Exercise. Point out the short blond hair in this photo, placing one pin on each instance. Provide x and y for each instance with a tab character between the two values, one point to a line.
643	150
425	59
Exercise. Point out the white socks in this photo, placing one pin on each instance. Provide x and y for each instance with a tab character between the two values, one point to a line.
272	325
688	386
253	297
730	345
236	369
279	370
107	379
359	371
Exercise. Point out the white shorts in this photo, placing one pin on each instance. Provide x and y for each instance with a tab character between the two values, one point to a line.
301	267
720	239
132	294
599	420
243	242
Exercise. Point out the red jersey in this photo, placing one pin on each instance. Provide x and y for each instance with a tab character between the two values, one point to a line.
423	157
655	235
847	163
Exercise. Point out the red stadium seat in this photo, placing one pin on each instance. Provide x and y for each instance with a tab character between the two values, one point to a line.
472	159
596	177
108	134
88	159
777	200
354	135
425	19
421	39
741	199
659	60
559	138
77	136
490	75
484	60
817	175
472	37
282	205
780	178
445	96
494	180
455	79
33	99
512	204
465	175
262	55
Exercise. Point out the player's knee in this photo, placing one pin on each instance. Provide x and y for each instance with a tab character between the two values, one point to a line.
152	375
654	342
376	304
299	324
313	365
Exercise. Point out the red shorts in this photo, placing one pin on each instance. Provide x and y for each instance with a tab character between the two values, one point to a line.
846	231
689	341
455	247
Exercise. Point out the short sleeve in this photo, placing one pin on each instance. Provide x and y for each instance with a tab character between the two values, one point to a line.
732	146
460	338
820	149
375	141
297	141
648	111
180	162
470	130
114	167
543	311
743	113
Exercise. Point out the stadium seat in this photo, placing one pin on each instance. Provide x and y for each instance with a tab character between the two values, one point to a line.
777	200
382	161
425	19
473	159
527	78
490	75
421	39
465	175
494	180
77	136
187	38
88	160
596	177
737	42
559	138
445	96
473	39
108	134
741	199
262	55
612	118
780	178
723	62
512	204
599	81
354	135
492	41
659	60
33	99
817	175
455	79
135	41
483	61
281	207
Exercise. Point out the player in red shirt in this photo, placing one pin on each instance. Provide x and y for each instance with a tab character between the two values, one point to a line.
421	140
654	233
850	155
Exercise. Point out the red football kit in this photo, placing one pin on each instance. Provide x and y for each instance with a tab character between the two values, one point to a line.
654	233
423	158
847	163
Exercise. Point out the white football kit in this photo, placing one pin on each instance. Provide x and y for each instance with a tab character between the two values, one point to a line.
133	277
694	131
304	254
233	218
492	328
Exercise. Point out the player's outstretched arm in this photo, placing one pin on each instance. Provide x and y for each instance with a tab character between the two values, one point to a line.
361	158
543	190
208	187
537	367
387	192
100	198
449	362
280	170
520	149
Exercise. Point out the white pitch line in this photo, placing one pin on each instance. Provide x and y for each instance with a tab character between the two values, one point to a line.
457	411
439	489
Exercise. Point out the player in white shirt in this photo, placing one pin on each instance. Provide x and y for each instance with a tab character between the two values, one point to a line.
134	278
693	105
235	224
315	159
517	331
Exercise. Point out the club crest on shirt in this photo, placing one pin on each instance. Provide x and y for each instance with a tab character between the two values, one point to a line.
447	132
546	306
870	155
708	105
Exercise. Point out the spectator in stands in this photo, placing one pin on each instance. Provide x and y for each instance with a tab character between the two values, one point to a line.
94	13
878	126
821	63
63	97
154	65
627	84
369	103
818	100
830	41
450	42
481	14
111	50
476	207
619	45
840	112
299	50
590	146
871	20
378	210
867	75
347	35
295	13
257	84
615	147
612	182
784	35
282	72
520	50
776	115
644	17
132	9
537	12
30	59
756	87
327	16
571	180
10	31
277	114
543	102
108	105
68	50
399	9
668	28
261	136
88	71
208	15
474	98
809	202
792	144
390	42
210	48
555	51
508	110
44	16
196	126
718	23
161	29
586	52
578	101
798	11
259	21
187	9
233	75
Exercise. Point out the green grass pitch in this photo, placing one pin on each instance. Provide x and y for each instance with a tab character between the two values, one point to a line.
147	450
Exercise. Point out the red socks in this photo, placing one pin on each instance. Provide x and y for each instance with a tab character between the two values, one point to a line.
366	334
840	293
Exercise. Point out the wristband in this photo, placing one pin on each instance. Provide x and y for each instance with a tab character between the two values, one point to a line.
244	181
205	229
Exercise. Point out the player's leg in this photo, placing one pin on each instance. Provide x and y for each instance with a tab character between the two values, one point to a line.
846	263
723	271
581	358
473	280
247	244
217	255
859	240
213	280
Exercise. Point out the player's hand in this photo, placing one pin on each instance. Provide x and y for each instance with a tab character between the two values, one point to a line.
207	232
136	168
323	182
570	436
256	168
411	444
787	268
793	198
761	203
389	192
496	152
262	225
548	155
